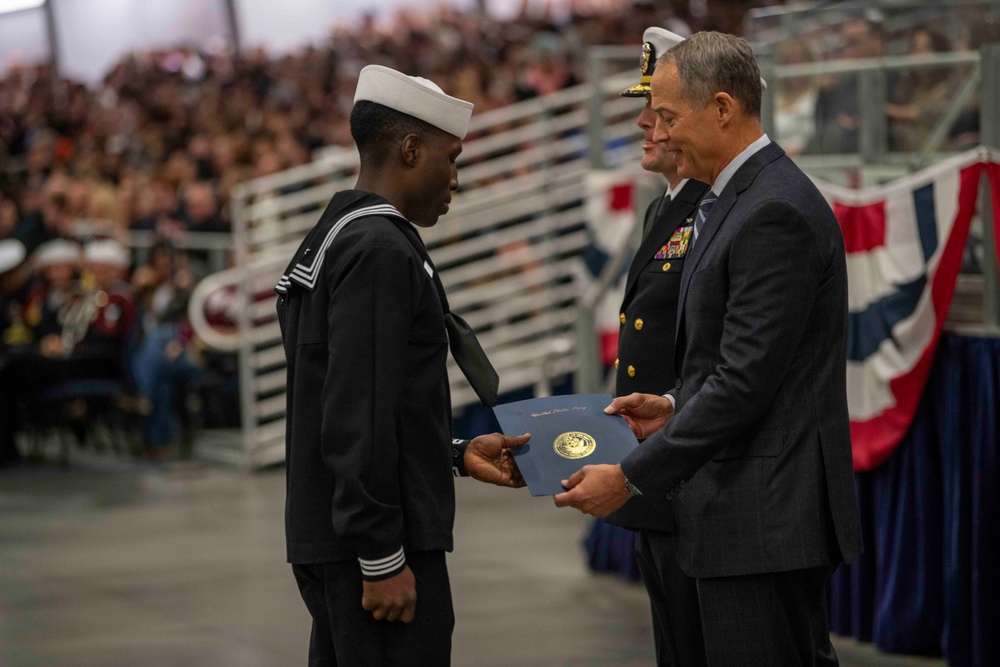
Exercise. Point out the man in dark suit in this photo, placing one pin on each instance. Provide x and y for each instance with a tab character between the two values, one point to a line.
757	458
648	318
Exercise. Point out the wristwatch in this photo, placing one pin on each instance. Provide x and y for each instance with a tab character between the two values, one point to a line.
632	491
458	446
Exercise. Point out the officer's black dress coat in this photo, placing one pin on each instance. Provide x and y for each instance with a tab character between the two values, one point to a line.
648	319
369	412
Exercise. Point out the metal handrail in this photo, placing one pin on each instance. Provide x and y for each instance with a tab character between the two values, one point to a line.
857	65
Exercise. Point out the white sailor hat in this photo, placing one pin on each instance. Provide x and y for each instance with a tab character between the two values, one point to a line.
655	42
415	96
57	251
12	253
109	252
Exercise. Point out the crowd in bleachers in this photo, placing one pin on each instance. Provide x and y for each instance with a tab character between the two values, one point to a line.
160	143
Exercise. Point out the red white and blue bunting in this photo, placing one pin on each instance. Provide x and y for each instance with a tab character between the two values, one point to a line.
905	242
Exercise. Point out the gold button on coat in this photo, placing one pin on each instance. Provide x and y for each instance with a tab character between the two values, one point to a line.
638	324
622	318
666	266
616	363
631	371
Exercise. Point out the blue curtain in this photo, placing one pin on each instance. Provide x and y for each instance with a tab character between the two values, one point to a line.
929	580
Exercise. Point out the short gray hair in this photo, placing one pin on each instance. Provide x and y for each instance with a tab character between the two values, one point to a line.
714	62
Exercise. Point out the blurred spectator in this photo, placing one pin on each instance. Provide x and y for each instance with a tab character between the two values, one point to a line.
57	263
201	209
161	207
181	168
838	116
795	100
922	94
98	324
102	215
166	357
55	220
202	213
162	286
16	284
548	69
22	370
17	341
10	216
980	27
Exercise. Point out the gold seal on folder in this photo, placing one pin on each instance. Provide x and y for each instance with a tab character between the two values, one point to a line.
574	445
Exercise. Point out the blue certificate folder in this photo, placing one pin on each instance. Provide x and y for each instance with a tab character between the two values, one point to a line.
567	433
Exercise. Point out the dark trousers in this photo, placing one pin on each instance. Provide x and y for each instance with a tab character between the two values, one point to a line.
673	598
776	618
22	376
345	635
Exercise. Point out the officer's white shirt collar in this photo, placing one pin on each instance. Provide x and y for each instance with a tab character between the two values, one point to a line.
671	192
726	175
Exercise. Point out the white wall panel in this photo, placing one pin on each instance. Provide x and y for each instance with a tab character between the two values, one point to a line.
23	38
94	34
288	25
285	26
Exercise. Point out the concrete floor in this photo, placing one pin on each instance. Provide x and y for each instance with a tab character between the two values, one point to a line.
119	564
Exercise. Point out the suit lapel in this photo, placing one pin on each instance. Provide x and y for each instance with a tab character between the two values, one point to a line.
740	181
708	229
672	215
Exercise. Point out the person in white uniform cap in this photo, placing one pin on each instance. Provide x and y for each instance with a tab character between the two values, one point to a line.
57	263
15	287
17	341
12	256
98	324
107	252
57	252
369	450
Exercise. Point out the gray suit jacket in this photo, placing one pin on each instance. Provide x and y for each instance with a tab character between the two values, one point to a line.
757	458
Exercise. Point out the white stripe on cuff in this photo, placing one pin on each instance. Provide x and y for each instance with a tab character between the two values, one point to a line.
380	566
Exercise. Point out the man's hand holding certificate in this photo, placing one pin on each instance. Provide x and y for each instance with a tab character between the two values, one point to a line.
569	434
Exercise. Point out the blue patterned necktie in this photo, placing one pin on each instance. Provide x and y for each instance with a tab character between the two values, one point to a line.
703	210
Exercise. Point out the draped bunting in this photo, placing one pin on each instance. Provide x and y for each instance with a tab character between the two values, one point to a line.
611	215
904	245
